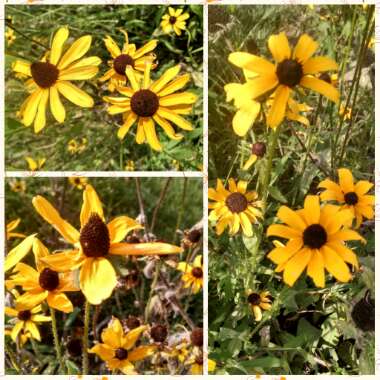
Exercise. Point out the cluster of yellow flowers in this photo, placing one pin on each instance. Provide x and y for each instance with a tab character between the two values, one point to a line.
142	101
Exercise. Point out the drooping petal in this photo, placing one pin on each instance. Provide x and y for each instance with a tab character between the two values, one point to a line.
18	252
16	330
277	111
40	120
166	113
335	264
129	121
144	249
119	227
245	117
31	106
91	205
60	302
166	126
260	85
316	268
296	265
28	300
150	133
40	251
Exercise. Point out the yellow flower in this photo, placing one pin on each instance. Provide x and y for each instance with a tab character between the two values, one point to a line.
352	196
10	36
95	241
290	71
197	364
22	337
52	75
35	164
42	284
26	322
193	274
234	207
83	144
150	102
78	182
12	225
18	185
130	166
180	351
174	20
116	349
128	56
72	146
211	364
258	302
316	240
344	112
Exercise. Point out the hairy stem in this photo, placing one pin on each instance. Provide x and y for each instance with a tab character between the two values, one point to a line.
85	338
56	338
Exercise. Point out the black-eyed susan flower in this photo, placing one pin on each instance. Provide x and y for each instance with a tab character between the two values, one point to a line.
11	226
78	182
95	241
18	185
118	349
316	237
175	20
42	284
235	207
26	321
289	71
258	302
149	102
130	166
22	337
35	164
192	274
352	196
53	75
10	36
127	56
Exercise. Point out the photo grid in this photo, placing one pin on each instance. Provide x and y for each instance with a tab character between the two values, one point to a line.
188	189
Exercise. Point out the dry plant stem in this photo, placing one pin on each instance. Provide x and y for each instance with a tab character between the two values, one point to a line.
182	210
152	289
141	206
12	358
56	339
9	25
85	338
158	205
268	171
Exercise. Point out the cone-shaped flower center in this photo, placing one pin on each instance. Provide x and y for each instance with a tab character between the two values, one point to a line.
44	74
74	347
172	20
49	279
144	103
94	237
194	236
314	236
237	202
254	299
351	198
132	322
159	333
24	315
121	354
197	272
289	72
197	337
121	62
259	149
199	360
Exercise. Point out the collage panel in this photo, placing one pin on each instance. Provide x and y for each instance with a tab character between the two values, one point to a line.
291	265
103	276
103	87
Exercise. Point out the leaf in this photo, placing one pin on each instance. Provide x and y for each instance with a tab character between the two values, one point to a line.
277	195
268	362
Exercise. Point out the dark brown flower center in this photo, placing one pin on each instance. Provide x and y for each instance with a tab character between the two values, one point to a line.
194	236
197	337
289	72
197	272
254	299
159	333
199	360
44	74
132	322
24	315
314	236
236	202
74	347
172	20
351	198
49	279
325	77
121	62
144	103
121	354
259	149
94	237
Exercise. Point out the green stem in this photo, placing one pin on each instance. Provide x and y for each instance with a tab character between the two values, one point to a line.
181	211
268	171
56	338
85	338
12	358
121	156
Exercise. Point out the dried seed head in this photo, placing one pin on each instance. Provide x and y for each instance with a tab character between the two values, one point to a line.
132	322
197	337
121	62
74	347
159	333
259	149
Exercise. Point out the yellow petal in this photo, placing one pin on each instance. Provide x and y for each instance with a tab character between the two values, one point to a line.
319	64
257	312
245	117
279	46
40	120
16	330
166	113
175	85
276	113
97	280
166	126
346	180
10	312
140	135
77	50
112	47
18	252
321	87
251	160
150	133
165	78
123	130
78	73
75	94
316	268
305	48
252	63
260	85
362	187
60	302
178	98
148	47
296	265
91	205
345	253
141	352
40	251
283	231
112	335
31	106
291	218
312	209
22	67
105	352
119	227
89	61
29	300
144	249
51	215
132	336
56	105
64	261
335	264
59	40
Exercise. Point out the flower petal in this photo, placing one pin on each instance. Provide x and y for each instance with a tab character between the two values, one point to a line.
144	249
296	265
132	336
335	264
175	85
305	48
78	73
245	117
60	302
148	47
150	133
119	227
19	252
64	261
291	218
319	64
322	87
40	120
31	106
77	50
260	85
283	231
277	111
141	352
91	205
166	126
316	268
105	352
346	180
75	94
178	98
112	47
165	78
252	63
56	105
279	46
312	210
168	114
59	40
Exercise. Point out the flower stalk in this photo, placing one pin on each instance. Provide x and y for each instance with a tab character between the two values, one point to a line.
56	338
85	338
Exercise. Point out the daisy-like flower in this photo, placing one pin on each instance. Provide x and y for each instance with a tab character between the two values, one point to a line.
290	70
78	182
235	207
10	36
316	237
127	56
192	274
130	166
52	75
35	164
22	337
26	321
352	196
174	20
11	226
117	349
95	241
258	302
18	185
150	102
258	151
72	146
42	284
